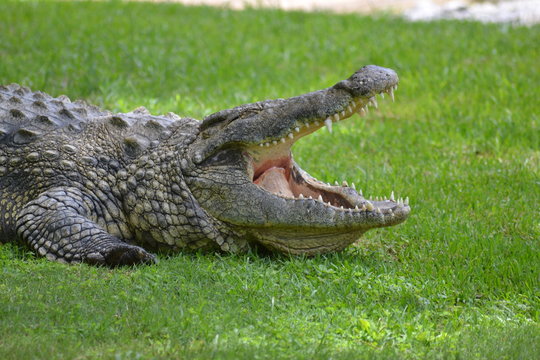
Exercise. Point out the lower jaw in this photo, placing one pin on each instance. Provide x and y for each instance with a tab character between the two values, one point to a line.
308	244
285	179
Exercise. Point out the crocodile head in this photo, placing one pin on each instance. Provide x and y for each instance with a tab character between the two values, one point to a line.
243	174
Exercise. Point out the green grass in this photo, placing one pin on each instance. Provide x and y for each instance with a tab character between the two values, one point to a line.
459	280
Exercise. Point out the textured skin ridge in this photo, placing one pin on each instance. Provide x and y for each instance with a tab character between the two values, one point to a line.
26	115
32	113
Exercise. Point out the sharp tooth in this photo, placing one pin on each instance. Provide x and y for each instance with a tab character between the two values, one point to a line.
395	87
349	109
336	117
261	144
373	102
282	140
343	113
297	129
329	204
360	192
392	196
382	95
320	198
301	196
353	186
274	142
328	123
361	112
336	183
364	207
291	136
369	206
379	210
345	183
341	207
310	198
356	208
391	92
390	212
406	201
365	108
307	125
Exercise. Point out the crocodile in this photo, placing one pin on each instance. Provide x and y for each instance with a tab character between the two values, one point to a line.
80	184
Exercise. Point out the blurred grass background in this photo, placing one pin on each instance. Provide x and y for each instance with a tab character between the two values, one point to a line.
460	279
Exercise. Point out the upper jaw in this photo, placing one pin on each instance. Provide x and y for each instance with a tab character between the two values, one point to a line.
351	101
272	122
302	127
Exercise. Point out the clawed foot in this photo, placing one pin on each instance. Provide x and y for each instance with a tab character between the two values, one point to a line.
123	255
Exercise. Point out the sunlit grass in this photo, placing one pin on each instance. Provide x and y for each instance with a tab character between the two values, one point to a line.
460	279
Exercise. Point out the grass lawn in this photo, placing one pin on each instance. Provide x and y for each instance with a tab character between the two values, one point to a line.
458	280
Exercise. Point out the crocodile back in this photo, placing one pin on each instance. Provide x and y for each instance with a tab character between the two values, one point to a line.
48	142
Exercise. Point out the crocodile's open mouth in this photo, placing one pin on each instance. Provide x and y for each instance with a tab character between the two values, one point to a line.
274	170
268	199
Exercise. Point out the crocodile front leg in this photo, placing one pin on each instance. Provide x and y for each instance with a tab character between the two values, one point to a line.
58	225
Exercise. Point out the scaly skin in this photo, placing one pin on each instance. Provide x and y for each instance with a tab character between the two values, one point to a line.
81	184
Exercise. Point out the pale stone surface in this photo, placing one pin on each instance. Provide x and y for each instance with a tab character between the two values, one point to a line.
525	12
507	11
340	6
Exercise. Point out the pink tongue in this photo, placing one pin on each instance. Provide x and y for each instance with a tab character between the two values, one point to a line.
275	181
